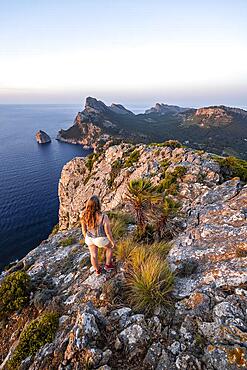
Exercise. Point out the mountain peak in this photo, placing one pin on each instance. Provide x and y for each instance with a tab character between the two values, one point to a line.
162	108
93	105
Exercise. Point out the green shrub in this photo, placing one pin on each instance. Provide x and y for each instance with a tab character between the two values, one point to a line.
91	159
33	337
232	167
164	164
55	230
141	196
172	143
68	241
14	292
115	170
161	249
133	158
169	183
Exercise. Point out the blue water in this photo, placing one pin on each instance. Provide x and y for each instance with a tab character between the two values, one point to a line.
29	174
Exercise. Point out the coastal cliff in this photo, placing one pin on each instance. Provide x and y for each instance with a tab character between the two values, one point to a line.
94	322
216	129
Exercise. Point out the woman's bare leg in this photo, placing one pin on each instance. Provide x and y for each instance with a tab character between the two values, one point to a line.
108	254
94	256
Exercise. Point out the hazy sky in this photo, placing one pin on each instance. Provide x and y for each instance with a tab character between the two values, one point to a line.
191	52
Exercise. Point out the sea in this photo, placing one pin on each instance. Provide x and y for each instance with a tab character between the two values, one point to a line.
29	174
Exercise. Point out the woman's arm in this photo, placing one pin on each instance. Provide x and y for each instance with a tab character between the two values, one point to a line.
108	231
83	228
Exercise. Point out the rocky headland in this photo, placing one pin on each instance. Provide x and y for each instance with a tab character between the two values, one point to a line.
42	137
217	129
69	318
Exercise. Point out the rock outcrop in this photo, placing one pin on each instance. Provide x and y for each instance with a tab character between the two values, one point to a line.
205	326
78	182
215	116
42	137
95	125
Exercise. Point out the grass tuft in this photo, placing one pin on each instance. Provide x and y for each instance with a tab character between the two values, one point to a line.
148	282
123	249
119	223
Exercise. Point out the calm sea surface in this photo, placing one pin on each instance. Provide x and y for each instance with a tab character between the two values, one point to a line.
29	174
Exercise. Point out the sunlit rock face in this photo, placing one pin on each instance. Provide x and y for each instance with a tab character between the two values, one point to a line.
77	183
210	251
205	325
42	137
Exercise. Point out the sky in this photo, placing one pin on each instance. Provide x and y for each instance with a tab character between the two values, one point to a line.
135	52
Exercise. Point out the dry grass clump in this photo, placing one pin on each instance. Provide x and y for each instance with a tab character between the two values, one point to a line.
123	249
148	277
119	223
148	282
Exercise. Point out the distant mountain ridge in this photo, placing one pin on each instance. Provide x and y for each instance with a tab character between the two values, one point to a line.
218	129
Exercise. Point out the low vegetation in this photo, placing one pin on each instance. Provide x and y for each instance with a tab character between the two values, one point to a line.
153	206
169	183
14	292
119	223
68	241
124	249
39	332
91	159
149	279
132	158
55	230
115	170
149	284
232	167
172	143
141	196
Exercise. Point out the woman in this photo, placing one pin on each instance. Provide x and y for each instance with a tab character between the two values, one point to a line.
96	230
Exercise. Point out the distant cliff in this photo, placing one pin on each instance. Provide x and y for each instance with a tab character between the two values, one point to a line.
218	129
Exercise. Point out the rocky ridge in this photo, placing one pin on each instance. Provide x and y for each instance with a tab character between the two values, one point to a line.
216	129
205	327
161	108
78	182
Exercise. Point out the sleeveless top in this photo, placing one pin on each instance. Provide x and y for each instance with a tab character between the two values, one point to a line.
99	230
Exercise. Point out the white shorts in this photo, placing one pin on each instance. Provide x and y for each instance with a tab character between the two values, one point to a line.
100	241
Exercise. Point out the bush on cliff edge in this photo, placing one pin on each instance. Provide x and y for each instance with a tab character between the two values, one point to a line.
39	332
14	292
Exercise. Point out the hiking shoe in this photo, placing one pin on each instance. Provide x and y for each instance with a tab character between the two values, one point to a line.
109	268
98	272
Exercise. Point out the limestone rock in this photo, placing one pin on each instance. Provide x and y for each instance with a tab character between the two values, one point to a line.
42	137
213	240
77	183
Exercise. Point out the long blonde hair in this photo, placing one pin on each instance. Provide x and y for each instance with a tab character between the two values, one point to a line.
93	207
